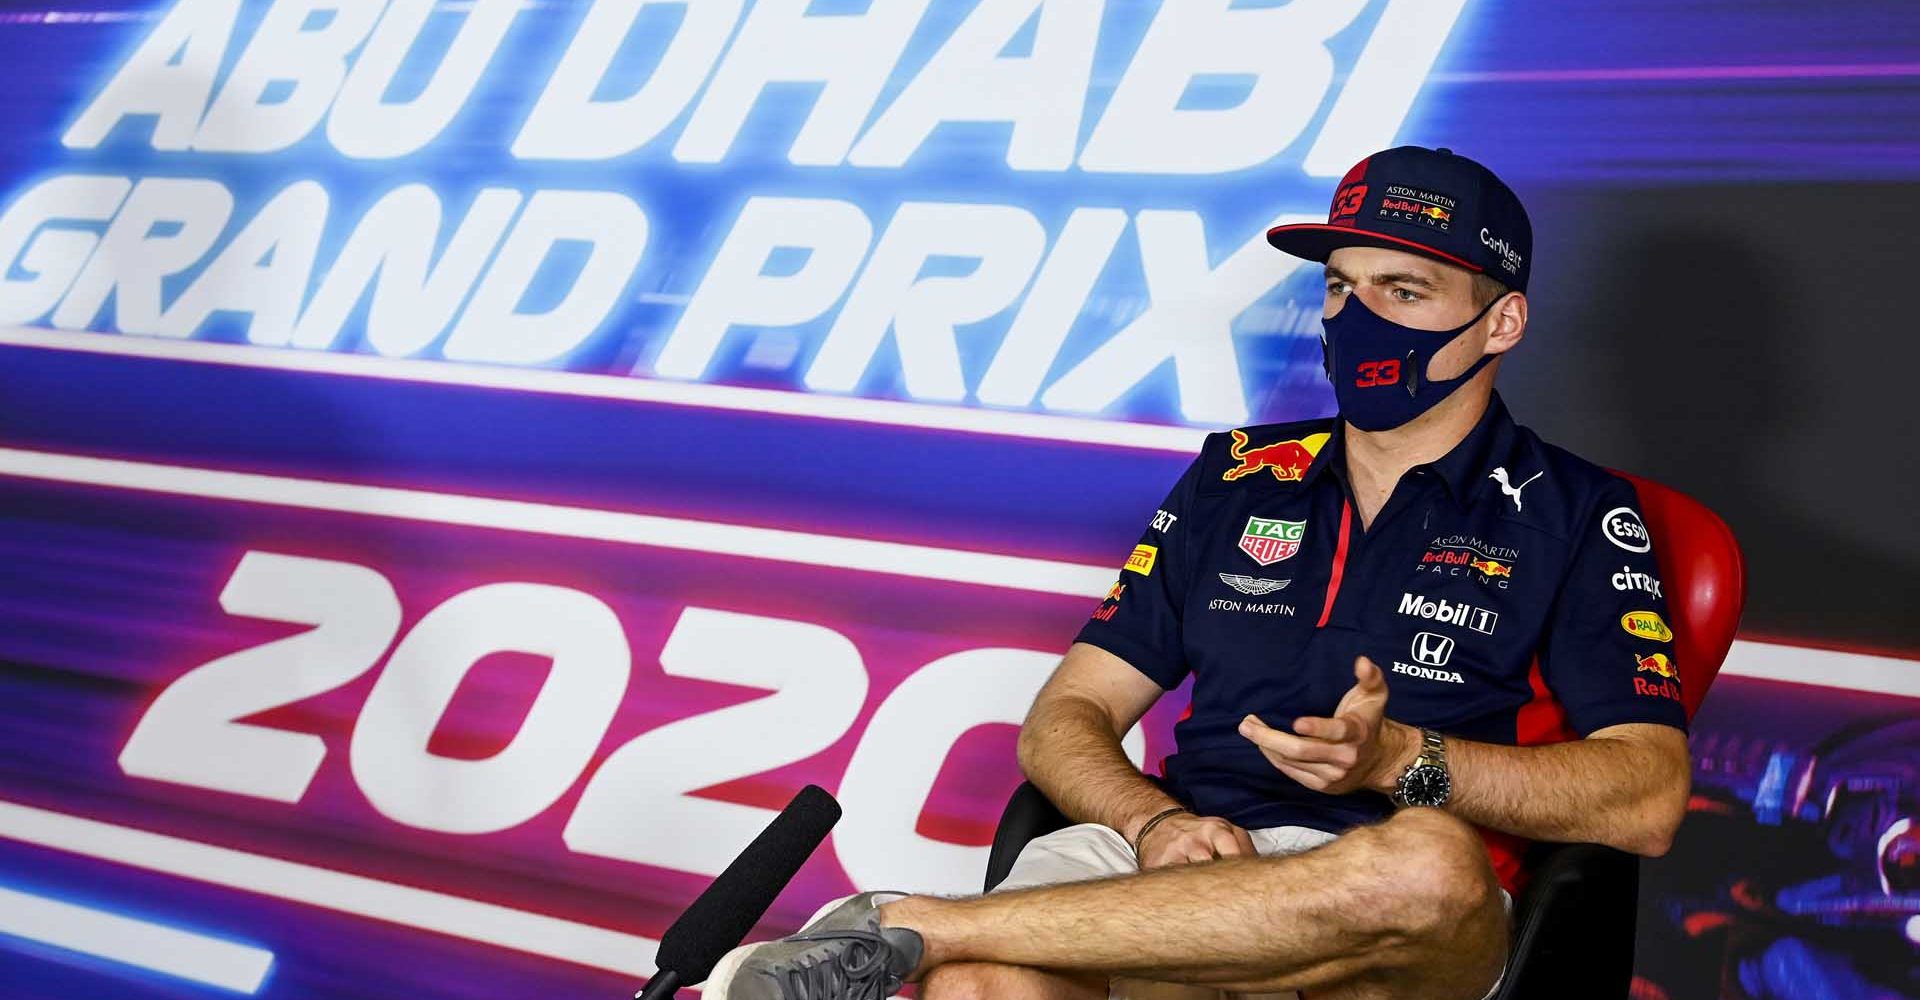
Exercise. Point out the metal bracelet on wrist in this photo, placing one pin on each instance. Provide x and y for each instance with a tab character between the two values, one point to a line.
1141	837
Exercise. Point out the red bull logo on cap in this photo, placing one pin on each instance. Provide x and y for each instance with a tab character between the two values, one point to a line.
1417	206
1287	460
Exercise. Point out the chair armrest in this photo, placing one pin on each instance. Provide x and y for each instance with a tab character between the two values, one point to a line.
1573	925
1029	814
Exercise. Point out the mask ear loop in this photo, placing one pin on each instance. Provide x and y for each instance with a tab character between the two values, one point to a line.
1417	370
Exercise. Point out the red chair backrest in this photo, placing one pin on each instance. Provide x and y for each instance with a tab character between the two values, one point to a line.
1703	576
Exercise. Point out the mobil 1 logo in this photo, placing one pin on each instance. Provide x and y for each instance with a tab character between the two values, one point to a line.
1449	612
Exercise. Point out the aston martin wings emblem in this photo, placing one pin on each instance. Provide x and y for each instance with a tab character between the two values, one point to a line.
1253	585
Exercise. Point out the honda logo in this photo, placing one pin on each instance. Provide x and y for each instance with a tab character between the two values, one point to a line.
1432	649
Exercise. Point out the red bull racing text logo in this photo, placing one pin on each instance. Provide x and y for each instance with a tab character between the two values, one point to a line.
1435	213
1412	205
1287	460
1661	666
1464	555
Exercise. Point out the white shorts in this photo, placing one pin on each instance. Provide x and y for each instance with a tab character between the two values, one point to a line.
1090	851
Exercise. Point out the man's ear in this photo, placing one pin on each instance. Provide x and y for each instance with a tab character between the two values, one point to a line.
1507	323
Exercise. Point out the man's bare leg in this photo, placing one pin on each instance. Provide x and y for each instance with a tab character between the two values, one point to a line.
1406	906
967	980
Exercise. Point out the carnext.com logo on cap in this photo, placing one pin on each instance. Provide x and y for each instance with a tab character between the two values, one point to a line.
1509	258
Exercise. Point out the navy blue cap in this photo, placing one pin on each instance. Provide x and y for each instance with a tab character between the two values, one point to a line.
1433	202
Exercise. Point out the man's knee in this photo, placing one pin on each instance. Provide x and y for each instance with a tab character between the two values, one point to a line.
1442	864
1434	876
1448	907
987	981
961	981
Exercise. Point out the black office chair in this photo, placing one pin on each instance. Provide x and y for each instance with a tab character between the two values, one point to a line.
1574	921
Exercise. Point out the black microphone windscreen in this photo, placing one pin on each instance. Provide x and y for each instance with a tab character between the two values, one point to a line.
723	915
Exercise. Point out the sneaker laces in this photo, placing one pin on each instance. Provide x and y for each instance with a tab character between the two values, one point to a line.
856	972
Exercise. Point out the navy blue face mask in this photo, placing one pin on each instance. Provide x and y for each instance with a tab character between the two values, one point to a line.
1379	367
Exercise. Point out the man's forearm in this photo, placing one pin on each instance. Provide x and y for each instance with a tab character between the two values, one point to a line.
1624	793
1069	750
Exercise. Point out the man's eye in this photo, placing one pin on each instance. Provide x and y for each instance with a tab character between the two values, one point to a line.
1405	295
1336	287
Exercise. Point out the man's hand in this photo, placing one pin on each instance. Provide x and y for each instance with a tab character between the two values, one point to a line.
1358	748
1184	838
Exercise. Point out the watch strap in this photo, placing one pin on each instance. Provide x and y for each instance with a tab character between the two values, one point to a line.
1433	749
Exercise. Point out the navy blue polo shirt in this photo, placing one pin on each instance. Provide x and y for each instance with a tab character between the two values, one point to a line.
1508	591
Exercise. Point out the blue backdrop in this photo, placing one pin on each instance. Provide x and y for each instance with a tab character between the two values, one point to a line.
436	435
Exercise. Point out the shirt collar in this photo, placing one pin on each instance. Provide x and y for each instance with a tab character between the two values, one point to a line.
1462	469
1471	461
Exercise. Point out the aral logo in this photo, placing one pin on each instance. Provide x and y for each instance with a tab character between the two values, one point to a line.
1269	541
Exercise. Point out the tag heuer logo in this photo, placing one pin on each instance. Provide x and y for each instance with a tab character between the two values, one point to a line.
1270	541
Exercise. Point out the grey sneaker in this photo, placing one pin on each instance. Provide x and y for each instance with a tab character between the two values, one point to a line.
843	954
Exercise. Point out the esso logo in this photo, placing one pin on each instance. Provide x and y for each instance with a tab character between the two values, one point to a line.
1624	528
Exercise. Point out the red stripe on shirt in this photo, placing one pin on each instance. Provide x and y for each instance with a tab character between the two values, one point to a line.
1339	561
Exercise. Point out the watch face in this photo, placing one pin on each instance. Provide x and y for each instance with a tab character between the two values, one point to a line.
1426	785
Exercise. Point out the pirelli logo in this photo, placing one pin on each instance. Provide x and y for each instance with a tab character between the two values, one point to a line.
1141	561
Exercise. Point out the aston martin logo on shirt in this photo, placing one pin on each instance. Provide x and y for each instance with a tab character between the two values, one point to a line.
1253	585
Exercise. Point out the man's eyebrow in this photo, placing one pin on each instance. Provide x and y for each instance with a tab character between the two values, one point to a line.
1406	278
1388	278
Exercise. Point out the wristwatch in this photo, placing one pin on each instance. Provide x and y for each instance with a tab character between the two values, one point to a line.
1426	782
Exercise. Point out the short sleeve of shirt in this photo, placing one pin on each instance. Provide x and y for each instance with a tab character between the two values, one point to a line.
1608	654
1139	620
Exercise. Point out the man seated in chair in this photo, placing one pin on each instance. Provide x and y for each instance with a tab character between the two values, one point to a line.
1420	638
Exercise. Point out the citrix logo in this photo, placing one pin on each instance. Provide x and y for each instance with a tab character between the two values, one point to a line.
1508	257
1627	579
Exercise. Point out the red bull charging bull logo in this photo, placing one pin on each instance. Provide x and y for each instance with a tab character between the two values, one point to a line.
1491	567
1662	666
1287	460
